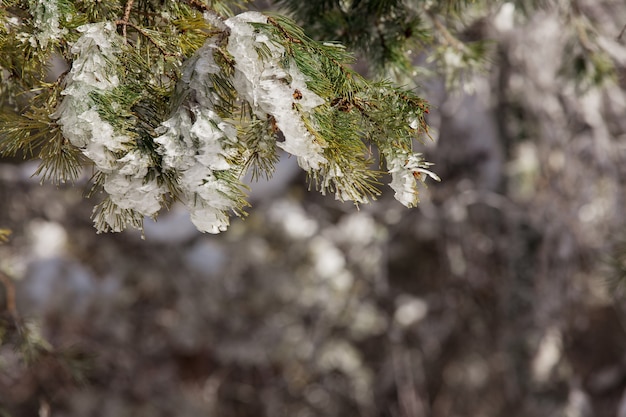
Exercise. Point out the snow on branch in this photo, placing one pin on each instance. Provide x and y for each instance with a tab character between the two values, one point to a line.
273	88
245	84
114	154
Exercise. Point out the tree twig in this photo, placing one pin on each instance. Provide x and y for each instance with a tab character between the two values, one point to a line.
125	20
286	34
199	5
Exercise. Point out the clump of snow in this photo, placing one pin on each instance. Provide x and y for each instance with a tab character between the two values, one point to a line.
406	169
46	20
114	154
214	20
272	89
92	70
198	145
333	177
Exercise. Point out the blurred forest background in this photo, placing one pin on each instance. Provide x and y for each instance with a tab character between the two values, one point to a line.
500	295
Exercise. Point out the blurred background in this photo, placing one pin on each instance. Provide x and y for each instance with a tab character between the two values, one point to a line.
500	295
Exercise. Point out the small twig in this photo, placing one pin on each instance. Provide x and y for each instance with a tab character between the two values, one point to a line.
450	39
127	9
229	60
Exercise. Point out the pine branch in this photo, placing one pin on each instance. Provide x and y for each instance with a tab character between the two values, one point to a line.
60	162
185	114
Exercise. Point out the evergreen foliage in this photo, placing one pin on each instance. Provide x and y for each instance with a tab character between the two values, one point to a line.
175	100
392	33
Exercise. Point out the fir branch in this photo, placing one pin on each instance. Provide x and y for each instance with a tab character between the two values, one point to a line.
351	101
97	11
193	31
23	134
260	137
35	136
285	33
158	130
97	184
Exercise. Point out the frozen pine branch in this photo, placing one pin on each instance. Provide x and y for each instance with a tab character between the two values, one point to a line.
176	103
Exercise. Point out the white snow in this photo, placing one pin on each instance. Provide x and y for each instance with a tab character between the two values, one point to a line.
46	20
92	70
271	89
404	167
197	143
134	193
114	154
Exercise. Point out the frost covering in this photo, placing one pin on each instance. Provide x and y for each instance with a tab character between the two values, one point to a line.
197	144
272	89
46	18
405	168
113	154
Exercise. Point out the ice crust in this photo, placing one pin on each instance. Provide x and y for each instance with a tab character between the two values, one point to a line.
46	19
405	168
114	154
197	144
274	90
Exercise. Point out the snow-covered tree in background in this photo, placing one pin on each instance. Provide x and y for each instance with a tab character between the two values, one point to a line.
176	100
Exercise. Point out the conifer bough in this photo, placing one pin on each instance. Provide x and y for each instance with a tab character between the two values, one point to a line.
176	103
